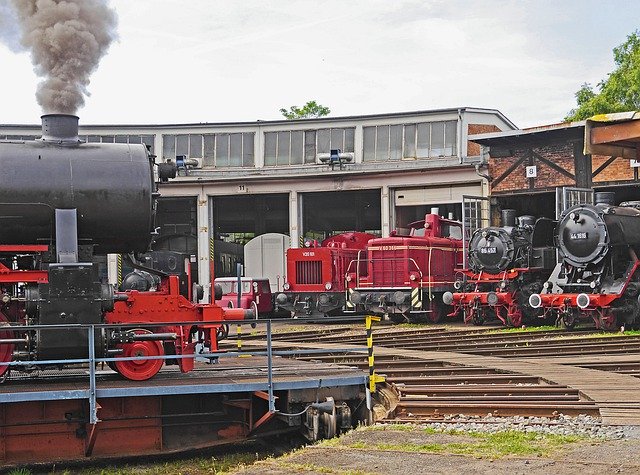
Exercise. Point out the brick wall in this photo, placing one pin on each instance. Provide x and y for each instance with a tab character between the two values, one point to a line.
618	170
560	154
473	149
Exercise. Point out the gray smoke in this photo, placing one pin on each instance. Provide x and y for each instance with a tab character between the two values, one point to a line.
66	39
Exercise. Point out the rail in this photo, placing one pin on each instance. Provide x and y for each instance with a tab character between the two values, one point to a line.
93	391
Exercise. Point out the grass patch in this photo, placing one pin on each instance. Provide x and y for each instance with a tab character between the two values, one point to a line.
310	467
218	465
486	445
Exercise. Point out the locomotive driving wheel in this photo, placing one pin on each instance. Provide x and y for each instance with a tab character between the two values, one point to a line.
6	350
143	369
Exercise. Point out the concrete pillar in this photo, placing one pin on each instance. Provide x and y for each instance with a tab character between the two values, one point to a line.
294	219
385	207
204	220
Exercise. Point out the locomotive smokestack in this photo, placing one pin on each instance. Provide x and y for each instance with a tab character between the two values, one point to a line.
60	128
605	198
508	217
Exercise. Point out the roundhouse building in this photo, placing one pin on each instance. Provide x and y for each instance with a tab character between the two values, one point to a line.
239	180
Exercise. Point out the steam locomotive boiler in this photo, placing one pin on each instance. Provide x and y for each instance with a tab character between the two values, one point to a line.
316	285
62	202
506	266
597	277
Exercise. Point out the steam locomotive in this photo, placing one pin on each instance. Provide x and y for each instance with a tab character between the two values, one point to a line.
597	277
63	202
315	284
506	266
405	277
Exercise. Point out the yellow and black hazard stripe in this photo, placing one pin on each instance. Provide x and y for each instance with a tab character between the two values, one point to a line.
348	304
373	377
416	298
119	277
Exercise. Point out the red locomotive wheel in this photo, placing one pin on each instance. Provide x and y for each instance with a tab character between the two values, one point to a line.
140	370
607	322
6	350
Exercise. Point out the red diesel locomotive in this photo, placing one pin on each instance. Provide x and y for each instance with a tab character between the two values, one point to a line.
315	284
506	266
405	277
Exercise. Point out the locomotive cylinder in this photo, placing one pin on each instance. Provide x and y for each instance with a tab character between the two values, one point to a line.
110	185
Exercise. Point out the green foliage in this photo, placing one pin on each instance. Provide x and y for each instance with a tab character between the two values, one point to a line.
620	91
311	110
20	471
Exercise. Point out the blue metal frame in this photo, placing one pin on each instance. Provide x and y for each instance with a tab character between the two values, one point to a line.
92	393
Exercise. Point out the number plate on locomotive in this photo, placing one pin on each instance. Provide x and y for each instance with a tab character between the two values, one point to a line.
576	236
488	250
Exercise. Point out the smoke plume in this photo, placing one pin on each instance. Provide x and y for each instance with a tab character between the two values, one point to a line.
66	39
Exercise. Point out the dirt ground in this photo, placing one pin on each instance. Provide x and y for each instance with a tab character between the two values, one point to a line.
583	457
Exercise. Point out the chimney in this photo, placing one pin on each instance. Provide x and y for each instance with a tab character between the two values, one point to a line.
60	128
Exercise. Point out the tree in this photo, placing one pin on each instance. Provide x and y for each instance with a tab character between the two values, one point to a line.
620	91
311	110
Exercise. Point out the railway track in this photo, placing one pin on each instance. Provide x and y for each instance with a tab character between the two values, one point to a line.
433	388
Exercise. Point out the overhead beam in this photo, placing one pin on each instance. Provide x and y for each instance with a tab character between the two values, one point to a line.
609	134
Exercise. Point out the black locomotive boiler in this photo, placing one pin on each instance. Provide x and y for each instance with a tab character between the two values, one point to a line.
62	202
597	277
506	265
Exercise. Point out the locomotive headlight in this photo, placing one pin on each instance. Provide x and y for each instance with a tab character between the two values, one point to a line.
286	286
327	285
355	297
348	278
447	298
593	284
492	298
583	300
281	299
535	301
503	284
412	277
456	285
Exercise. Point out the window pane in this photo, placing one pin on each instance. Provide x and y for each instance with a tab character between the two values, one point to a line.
324	141
395	142
437	139
209	151
297	148
195	146
93	139
270	140
410	141
424	139
149	140
283	148
369	145
247	149
135	139
106	138
310	146
182	145
349	140
122	139
222	150
235	150
450	143
382	143
337	139
169	146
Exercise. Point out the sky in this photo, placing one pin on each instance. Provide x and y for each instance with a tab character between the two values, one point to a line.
190	61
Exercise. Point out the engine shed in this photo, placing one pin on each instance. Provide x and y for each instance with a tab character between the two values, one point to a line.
527	168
